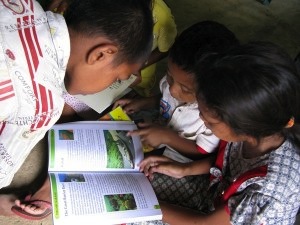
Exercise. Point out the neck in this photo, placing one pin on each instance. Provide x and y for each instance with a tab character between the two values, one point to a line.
254	148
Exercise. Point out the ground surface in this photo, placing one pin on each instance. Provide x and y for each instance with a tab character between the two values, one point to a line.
248	19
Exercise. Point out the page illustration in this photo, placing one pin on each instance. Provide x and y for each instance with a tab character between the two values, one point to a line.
120	149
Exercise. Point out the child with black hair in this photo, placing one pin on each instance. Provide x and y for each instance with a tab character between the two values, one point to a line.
249	98
164	34
182	130
43	53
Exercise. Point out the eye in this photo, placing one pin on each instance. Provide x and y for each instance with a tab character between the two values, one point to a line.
185	90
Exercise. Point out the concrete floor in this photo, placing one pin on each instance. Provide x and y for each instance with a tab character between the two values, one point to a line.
248	19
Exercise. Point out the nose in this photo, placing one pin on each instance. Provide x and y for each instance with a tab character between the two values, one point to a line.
174	90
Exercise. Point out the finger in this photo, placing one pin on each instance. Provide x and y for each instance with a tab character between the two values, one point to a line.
147	163
161	168
144	162
120	102
116	104
146	169
62	7
128	110
151	176
143	124
135	133
52	6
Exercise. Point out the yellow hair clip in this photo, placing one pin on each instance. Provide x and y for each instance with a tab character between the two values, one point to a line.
290	123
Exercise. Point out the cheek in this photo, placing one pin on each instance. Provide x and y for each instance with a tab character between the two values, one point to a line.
220	134
190	98
218	131
72	82
101	82
226	135
93	83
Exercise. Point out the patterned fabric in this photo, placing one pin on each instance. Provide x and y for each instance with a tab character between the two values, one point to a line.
272	198
34	50
164	30
268	194
187	191
79	107
190	192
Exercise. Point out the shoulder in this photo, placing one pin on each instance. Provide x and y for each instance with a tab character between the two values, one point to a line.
160	8
162	13
285	162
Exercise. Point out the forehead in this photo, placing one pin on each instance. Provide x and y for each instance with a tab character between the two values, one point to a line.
179	75
207	112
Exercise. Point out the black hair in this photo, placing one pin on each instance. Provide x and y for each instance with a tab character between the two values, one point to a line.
128	24
199	39
254	88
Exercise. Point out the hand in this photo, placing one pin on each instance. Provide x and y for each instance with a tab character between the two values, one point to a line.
130	106
153	134
162	164
58	6
137	80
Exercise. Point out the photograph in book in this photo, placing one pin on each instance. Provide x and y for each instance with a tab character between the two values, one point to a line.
94	175
120	202
119	149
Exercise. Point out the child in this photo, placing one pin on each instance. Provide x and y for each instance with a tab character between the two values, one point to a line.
185	131
42	52
164	34
250	98
185	136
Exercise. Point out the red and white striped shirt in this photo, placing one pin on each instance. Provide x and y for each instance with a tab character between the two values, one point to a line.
34	50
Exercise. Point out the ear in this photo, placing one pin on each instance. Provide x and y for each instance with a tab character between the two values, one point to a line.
101	53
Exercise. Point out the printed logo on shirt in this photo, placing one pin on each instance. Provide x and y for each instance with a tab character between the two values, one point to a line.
10	55
25	23
15	6
5	156
164	108
36	119
27	88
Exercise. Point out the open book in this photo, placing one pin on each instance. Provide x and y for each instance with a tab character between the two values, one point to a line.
94	175
103	99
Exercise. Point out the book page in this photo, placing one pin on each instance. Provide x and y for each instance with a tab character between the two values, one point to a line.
102	198
103	99
94	146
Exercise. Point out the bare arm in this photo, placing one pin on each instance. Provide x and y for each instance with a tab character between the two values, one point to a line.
154	57
68	115
176	215
132	105
182	145
167	166
155	135
58	6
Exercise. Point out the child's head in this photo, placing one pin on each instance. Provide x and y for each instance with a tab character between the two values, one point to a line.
199	39
253	89
109	41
